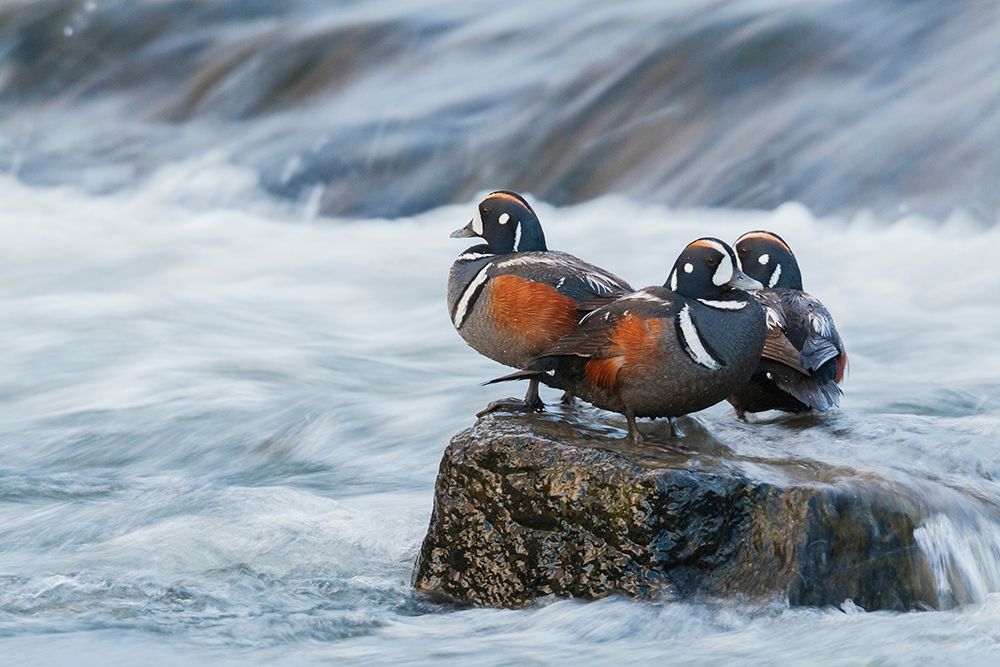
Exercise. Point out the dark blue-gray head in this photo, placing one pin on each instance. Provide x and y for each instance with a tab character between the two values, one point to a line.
507	222
706	269
766	257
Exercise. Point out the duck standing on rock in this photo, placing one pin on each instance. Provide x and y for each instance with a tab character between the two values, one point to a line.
804	359
511	297
664	351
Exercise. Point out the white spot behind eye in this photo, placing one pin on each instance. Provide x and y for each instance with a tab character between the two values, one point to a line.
764	259
504	218
477	222
688	268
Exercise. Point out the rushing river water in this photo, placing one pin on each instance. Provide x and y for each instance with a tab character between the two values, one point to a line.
221	428
221	414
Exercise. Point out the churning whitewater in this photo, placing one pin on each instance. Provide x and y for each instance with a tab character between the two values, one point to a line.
223	418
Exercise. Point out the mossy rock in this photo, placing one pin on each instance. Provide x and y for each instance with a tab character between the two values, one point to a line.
527	507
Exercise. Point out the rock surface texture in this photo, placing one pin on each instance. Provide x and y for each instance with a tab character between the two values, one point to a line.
527	507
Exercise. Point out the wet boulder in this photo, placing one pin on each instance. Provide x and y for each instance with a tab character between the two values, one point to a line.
532	506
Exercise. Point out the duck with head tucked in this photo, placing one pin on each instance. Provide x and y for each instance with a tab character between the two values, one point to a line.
804	359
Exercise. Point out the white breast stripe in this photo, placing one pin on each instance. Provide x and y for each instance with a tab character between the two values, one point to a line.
517	234
724	305
562	281
463	303
692	342
774	276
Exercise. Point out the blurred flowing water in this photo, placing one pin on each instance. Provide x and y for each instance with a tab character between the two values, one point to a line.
221	414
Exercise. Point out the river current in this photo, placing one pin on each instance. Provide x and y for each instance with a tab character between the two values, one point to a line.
227	371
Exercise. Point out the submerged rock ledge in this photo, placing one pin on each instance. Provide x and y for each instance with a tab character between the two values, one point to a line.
527	507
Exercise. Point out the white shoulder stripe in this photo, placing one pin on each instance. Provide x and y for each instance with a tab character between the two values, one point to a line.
463	303
724	305
600	282
520	259
692	342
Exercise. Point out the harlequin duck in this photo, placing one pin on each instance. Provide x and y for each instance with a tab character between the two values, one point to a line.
511	297
664	351
804	358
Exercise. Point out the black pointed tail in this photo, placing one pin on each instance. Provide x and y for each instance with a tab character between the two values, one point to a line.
542	376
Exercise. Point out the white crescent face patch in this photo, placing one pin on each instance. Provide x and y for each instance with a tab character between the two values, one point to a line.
477	222
724	273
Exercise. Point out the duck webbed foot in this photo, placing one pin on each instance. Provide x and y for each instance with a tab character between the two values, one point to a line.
635	436
529	404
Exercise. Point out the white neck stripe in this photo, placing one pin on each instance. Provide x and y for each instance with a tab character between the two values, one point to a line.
724	305
775	276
